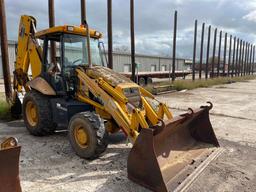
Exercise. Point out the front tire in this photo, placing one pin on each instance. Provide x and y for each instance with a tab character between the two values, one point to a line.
87	135
37	114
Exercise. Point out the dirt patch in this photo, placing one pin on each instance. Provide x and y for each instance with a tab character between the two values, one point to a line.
234	170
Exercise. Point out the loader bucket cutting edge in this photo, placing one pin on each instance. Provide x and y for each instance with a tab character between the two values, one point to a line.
162	160
9	170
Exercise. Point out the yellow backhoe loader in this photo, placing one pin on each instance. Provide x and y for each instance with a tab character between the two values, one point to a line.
77	92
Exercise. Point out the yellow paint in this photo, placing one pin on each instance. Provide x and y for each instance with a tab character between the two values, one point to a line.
31	113
117	95
151	114
81	137
145	93
67	29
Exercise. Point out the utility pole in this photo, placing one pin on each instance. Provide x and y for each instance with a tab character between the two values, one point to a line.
4	51
52	24
110	36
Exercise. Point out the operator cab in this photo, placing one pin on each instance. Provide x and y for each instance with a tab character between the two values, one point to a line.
71	52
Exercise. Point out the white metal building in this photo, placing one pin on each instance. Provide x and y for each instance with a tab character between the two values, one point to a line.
12	57
121	62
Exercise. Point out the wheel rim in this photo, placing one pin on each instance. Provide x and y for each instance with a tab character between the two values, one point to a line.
31	113
81	136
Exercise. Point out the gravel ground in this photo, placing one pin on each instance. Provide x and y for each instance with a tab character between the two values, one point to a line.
48	164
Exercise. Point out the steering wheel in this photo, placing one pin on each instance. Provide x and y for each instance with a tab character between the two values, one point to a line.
74	62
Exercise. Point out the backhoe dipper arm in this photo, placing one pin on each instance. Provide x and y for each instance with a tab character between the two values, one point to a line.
29	53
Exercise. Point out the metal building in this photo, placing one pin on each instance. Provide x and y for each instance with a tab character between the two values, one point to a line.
121	62
12	57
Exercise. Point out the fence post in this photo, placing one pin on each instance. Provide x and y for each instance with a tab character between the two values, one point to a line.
208	52
239	58
219	55
253	61
229	54
237	51
250	64
132	40
214	50
234	54
242	60
245	57
110	35
194	52
248	59
201	51
225	55
174	47
83	11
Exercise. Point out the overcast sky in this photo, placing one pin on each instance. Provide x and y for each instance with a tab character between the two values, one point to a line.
153	20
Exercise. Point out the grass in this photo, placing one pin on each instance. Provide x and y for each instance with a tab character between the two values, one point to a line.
189	84
5	113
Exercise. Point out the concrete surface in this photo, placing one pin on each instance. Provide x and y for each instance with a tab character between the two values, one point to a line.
48	164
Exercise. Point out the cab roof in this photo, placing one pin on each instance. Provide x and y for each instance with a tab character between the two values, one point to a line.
68	29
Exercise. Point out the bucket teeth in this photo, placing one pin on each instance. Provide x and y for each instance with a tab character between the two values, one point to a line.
161	157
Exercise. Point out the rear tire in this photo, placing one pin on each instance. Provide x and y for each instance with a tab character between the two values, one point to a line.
87	135
37	114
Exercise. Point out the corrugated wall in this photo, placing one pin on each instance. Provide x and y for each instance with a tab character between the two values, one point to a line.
146	63
12	59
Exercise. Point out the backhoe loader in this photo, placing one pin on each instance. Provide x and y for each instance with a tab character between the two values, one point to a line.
78	93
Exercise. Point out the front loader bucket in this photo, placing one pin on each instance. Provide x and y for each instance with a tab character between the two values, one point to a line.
163	157
9	166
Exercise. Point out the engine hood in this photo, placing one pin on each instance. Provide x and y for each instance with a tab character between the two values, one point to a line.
108	75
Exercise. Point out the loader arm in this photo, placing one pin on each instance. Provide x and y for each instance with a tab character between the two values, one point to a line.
114	104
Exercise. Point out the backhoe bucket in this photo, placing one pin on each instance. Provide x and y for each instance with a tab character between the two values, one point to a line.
163	157
9	166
